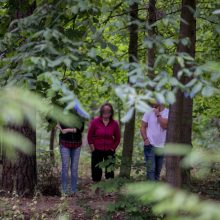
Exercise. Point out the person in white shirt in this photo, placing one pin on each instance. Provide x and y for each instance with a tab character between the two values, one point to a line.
153	131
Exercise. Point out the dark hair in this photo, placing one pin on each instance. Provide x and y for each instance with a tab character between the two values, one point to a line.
109	105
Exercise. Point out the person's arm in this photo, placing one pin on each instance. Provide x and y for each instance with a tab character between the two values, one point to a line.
90	136
162	121
58	126
143	131
117	136
75	130
65	130
68	130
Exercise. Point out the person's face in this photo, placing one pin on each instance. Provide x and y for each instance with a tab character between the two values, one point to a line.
106	113
155	105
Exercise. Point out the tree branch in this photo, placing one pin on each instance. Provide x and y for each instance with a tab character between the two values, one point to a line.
207	20
110	15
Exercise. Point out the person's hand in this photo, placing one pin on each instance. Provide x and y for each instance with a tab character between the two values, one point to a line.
92	148
157	112
74	130
64	131
59	127
146	142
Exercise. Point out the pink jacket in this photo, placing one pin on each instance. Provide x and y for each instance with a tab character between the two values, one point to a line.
104	137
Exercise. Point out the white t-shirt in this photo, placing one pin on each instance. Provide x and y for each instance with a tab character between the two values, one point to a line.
155	133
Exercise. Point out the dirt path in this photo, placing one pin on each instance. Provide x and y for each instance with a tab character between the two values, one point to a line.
84	205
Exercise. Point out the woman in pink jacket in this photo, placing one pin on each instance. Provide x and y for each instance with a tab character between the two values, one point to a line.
103	139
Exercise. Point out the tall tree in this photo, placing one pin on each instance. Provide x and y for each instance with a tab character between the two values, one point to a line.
127	151
21	175
52	138
151	35
180	117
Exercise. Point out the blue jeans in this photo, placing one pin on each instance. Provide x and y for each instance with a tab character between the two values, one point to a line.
154	162
72	154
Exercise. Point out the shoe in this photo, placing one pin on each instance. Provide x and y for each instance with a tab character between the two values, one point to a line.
97	191
64	195
109	195
72	194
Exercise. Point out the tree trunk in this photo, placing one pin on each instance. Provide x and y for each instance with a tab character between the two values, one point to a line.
127	152
151	35
173	170
52	137
21	8
126	161
187	101
180	116
21	175
119	114
186	137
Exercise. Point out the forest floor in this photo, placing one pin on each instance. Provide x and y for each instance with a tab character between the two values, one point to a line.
86	204
207	187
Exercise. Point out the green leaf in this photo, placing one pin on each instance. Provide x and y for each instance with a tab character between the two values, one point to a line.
180	61
216	12
174	149
170	96
207	91
142	106
191	83
169	42
67	61
171	60
12	140
113	47
160	98
92	53
197	87
128	115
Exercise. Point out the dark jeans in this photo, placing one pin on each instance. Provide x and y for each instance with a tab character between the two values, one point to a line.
99	156
154	162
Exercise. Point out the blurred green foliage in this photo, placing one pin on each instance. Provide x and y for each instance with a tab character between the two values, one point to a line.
68	49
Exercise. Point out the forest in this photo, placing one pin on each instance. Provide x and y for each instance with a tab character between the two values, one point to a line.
82	85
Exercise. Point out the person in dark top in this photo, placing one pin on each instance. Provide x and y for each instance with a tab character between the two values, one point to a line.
70	140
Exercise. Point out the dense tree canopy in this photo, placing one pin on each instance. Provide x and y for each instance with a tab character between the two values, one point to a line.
130	53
